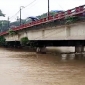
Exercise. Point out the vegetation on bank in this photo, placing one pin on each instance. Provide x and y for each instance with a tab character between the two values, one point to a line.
71	19
12	32
24	41
2	41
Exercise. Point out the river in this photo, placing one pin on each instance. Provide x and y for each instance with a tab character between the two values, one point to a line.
19	67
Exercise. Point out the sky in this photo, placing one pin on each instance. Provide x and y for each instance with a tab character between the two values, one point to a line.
34	7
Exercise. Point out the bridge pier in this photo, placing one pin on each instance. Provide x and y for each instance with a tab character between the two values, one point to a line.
79	48
78	51
41	50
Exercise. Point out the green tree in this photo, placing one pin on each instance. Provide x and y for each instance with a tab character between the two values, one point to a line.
2	41
24	41
71	19
12	32
1	14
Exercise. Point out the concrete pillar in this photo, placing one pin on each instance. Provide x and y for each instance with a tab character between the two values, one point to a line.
38	50
41	50
78	51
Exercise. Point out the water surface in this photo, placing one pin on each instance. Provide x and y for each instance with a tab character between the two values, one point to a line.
19	67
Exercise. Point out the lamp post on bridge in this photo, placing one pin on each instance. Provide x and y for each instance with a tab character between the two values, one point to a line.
20	14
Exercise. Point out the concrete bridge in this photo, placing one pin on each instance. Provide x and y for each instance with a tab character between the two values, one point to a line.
53	30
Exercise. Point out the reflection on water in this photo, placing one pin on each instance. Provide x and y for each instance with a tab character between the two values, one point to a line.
19	67
67	57
73	56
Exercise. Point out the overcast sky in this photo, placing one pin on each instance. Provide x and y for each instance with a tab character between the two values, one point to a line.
38	7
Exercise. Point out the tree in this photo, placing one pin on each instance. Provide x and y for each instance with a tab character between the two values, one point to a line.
1	14
2	41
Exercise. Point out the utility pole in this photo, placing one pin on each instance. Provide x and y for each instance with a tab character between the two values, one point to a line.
20	14
8	22
48	10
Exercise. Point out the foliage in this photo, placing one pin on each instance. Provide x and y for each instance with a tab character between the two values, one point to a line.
12	32
4	25
2	41
1	14
71	19
51	13
17	23
24	41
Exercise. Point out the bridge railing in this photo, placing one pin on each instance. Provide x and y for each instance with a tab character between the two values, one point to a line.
3	33
71	12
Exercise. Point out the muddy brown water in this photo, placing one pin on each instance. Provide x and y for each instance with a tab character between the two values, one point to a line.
19	67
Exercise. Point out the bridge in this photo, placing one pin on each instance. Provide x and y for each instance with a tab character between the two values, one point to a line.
63	29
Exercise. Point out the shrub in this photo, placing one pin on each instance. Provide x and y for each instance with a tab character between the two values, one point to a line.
24	41
2	41
71	19
12	32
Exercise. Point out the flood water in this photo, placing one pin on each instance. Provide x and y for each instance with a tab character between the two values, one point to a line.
19	67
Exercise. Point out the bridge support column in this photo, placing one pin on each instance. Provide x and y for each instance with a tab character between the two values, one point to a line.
78	51
41	50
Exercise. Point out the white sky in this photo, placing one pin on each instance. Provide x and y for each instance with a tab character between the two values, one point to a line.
11	7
